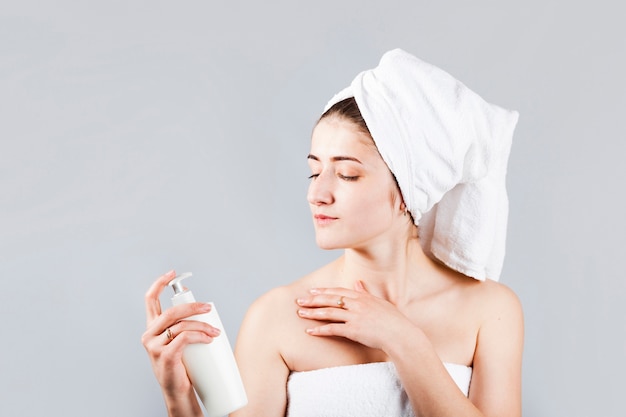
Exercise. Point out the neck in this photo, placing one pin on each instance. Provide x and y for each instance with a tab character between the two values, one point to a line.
398	273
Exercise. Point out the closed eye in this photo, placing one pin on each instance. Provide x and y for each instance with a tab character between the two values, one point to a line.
343	177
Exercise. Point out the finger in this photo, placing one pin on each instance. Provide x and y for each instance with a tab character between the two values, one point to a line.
335	290
153	305
171	352
184	339
175	314
324	314
156	341
332	329
192	326
324	300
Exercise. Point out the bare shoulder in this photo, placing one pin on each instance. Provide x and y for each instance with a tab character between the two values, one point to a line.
277	299
270	302
272	322
265	327
493	300
261	322
284	297
275	308
268	324
501	301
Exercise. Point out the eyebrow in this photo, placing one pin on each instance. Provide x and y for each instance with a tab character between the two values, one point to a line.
335	158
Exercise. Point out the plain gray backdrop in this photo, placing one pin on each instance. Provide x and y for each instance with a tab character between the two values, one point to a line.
141	136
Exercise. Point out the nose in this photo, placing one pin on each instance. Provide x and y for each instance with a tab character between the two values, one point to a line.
320	190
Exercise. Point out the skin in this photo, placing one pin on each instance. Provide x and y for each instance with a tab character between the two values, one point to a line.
399	305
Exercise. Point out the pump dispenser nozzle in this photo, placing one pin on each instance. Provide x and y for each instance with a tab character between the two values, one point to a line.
176	284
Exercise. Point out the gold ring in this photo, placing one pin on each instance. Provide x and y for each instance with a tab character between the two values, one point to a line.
340	302
169	334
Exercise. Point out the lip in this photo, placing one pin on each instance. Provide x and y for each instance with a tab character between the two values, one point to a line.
322	219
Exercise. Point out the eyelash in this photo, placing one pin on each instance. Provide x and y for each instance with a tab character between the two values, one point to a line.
343	177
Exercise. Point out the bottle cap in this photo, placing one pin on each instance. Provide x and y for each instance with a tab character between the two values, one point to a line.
176	284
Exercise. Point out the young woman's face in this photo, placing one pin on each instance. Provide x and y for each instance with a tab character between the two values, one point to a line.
353	196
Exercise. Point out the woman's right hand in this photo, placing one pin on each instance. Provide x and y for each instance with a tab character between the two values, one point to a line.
166	336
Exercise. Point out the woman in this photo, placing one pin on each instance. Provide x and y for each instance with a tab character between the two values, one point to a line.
404	322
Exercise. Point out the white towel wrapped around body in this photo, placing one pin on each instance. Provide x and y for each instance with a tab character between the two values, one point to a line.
448	149
364	390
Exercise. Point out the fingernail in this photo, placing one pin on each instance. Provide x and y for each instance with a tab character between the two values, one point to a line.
216	331
302	312
301	301
206	307
315	291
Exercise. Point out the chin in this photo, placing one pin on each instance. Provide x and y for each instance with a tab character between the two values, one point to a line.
326	246
329	244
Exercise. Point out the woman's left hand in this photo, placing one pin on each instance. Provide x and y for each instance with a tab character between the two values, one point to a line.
354	314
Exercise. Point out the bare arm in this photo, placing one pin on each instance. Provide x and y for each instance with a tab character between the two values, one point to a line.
262	368
496	381
495	389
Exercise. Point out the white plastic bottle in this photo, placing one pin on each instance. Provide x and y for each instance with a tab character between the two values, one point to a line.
211	367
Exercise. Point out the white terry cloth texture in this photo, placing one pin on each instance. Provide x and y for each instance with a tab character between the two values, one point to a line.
371	389
448	149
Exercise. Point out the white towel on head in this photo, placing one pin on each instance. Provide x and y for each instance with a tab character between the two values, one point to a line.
448	149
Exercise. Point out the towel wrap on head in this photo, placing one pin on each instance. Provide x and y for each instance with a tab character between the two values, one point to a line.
448	149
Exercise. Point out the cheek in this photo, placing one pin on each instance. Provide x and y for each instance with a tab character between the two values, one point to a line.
388	194
376	203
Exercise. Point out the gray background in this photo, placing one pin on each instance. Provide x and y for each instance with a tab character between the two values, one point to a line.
140	136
